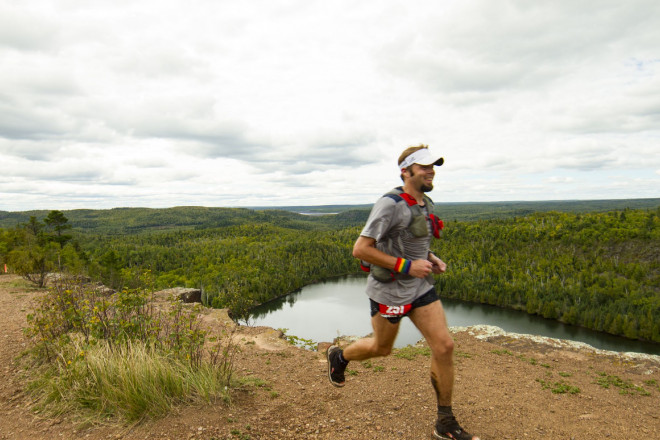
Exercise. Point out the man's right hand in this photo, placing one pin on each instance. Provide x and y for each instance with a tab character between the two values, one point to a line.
420	268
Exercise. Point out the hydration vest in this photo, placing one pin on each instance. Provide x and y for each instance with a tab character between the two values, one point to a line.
418	227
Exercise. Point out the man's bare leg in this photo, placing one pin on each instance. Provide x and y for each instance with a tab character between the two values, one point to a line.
432	323
380	344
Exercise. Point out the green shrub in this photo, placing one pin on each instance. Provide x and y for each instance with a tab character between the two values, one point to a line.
117	357
127	383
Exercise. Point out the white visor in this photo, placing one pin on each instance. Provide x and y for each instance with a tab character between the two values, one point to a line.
422	157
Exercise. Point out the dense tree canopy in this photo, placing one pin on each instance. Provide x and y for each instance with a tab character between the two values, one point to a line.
36	248
599	270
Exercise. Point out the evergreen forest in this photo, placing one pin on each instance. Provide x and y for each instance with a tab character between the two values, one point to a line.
595	264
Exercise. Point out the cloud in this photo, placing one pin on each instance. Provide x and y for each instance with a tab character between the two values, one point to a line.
260	103
26	30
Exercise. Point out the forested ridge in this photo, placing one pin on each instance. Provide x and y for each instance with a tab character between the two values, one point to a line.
237	266
138	220
595	269
131	221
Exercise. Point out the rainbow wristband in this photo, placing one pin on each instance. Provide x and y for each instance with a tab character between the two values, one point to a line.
402	265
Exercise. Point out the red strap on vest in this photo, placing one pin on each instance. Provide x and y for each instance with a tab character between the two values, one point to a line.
437	224
410	200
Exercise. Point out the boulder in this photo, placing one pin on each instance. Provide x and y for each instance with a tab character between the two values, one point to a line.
184	294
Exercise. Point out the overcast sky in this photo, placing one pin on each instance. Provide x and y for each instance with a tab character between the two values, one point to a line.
268	103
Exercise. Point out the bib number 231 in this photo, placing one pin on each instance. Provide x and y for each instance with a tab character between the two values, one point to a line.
392	311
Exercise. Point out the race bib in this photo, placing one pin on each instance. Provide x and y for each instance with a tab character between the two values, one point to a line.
393	311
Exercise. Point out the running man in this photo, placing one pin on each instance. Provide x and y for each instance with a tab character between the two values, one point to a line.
395	245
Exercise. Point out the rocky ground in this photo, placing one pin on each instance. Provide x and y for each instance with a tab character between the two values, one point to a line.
507	387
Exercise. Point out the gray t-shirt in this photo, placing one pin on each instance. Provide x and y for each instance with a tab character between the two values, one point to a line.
388	225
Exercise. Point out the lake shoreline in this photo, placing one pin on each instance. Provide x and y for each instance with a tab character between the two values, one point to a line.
344	296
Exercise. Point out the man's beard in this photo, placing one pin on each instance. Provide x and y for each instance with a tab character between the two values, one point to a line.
424	188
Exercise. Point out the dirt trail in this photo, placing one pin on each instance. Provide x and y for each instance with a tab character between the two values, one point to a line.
503	391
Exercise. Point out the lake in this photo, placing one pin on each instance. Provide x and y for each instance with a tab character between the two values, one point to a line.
339	306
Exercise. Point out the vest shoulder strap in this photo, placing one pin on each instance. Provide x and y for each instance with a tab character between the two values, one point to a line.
398	195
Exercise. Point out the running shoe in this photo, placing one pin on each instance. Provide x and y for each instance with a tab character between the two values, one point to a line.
335	366
448	428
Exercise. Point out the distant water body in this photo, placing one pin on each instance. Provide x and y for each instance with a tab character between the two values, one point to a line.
318	213
322	311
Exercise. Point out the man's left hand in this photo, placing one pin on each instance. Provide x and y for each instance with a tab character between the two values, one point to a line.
439	266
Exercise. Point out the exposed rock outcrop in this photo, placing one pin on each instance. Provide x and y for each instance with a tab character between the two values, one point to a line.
184	294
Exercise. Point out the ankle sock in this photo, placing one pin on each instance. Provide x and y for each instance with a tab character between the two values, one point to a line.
445	411
341	358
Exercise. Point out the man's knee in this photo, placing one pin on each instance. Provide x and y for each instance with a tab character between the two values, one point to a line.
443	348
379	350
449	346
383	351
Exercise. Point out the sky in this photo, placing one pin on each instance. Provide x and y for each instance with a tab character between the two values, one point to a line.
230	103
